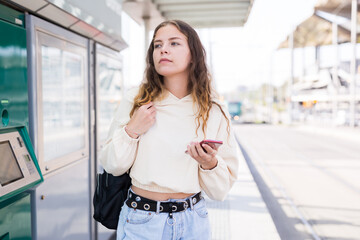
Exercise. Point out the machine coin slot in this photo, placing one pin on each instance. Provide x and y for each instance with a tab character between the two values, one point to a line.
20	142
29	164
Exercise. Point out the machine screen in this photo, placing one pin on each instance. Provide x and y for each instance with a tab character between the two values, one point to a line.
9	170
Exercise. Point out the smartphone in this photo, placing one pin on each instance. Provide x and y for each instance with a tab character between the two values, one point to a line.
214	144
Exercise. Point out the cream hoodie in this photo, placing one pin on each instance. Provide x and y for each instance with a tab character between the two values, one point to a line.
157	158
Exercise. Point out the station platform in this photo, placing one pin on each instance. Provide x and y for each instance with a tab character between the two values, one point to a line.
243	214
340	132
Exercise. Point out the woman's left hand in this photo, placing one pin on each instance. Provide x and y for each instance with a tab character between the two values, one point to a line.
207	160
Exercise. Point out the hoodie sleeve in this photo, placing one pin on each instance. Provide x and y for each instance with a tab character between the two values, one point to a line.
119	150
218	181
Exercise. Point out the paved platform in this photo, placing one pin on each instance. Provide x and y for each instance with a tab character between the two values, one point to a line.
243	214
340	132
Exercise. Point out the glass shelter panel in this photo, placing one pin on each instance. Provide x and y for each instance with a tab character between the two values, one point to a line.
109	80
62	99
63	102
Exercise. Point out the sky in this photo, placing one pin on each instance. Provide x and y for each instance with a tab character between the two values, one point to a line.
240	56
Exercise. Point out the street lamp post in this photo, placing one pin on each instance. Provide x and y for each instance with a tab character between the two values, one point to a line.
353	63
291	43
335	72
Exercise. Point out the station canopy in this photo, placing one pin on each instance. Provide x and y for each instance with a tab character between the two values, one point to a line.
317	29
198	13
337	7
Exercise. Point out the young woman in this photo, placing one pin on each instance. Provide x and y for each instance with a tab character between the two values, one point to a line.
156	133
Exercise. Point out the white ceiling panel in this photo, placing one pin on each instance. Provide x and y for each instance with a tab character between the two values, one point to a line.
224	13
198	13
202	6
195	1
213	18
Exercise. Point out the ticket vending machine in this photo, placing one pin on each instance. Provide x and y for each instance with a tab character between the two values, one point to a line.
19	170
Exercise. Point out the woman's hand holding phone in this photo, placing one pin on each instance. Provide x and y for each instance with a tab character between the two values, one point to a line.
214	144
144	117
204	153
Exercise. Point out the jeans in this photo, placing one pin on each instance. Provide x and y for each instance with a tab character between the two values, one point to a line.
191	224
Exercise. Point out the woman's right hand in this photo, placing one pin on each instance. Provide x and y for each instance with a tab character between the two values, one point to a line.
142	120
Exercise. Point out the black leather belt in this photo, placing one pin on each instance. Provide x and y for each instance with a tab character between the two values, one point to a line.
138	202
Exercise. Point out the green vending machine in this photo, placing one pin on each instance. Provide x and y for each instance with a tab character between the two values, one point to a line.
19	170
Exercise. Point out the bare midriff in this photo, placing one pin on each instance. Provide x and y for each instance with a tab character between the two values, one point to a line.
156	196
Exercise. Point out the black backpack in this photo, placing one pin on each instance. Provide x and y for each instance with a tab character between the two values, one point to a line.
110	195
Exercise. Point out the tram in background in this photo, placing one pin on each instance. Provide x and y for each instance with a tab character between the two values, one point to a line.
70	80
235	110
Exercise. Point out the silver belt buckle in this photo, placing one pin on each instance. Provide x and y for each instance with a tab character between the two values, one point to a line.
185	205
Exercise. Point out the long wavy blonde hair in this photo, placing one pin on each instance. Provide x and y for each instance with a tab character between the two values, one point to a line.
199	77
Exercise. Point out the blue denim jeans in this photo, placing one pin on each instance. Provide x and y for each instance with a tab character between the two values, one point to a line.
193	223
